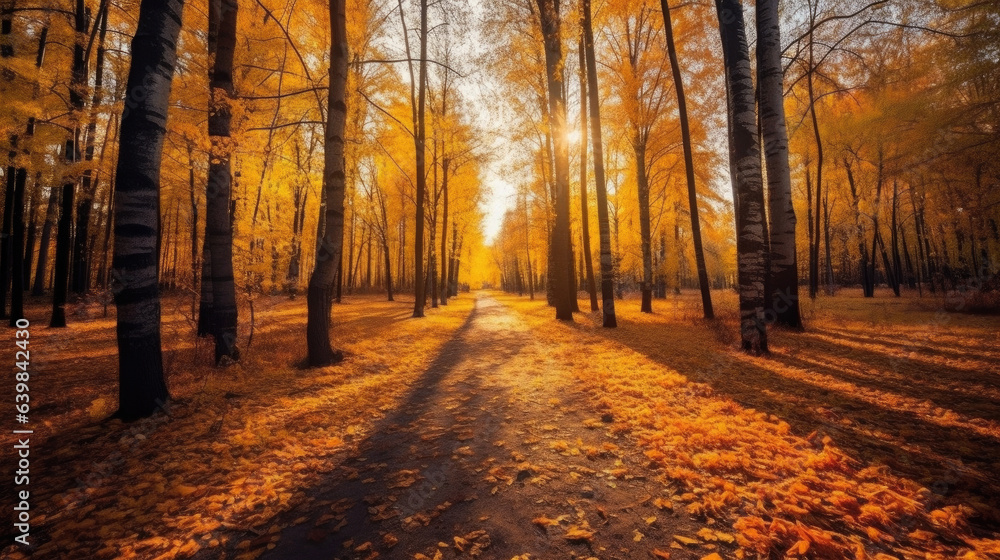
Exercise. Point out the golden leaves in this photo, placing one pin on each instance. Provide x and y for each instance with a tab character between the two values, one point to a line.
473	543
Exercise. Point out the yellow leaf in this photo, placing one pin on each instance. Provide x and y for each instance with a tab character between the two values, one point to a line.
544	522
579	533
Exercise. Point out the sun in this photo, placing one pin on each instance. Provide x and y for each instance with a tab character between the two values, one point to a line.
573	137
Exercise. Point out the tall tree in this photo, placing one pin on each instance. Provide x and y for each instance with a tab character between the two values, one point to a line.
561	276
782	281
607	265
88	185
17	249
6	251
222	16
51	216
5	235
418	102
699	253
330	236
588	263
744	158
142	388
60	278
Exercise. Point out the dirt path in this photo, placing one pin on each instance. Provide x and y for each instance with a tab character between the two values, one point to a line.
497	446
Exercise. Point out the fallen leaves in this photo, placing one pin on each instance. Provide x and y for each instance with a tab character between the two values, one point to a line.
581	533
732	462
236	448
473	543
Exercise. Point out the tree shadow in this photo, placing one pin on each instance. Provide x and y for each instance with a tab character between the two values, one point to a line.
412	464
908	378
955	464
924	348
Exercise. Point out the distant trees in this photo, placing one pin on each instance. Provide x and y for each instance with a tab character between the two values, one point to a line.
642	88
892	193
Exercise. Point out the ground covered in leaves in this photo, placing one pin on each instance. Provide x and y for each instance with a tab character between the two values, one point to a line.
490	430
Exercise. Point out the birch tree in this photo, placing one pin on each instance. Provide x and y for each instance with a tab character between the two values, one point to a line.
782	279
744	162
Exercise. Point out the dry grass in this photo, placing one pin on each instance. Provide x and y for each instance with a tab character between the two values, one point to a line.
874	432
237	447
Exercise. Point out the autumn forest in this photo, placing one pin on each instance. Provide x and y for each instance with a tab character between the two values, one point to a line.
500	279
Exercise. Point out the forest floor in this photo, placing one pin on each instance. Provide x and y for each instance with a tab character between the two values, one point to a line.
490	430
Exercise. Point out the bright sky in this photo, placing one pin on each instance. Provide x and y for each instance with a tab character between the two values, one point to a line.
500	174
480	90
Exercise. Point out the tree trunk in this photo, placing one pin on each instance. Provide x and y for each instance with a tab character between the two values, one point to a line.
88	187
561	274
814	246
330	243
193	198
142	388
826	243
699	253
588	259
6	252
106	246
747	179
809	217
205	313
29	245
897	267
177	239
452	262
60	281
419	141
603	224
17	249
432	230
867	281
443	284
388	267
782	281
639	146
218	218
